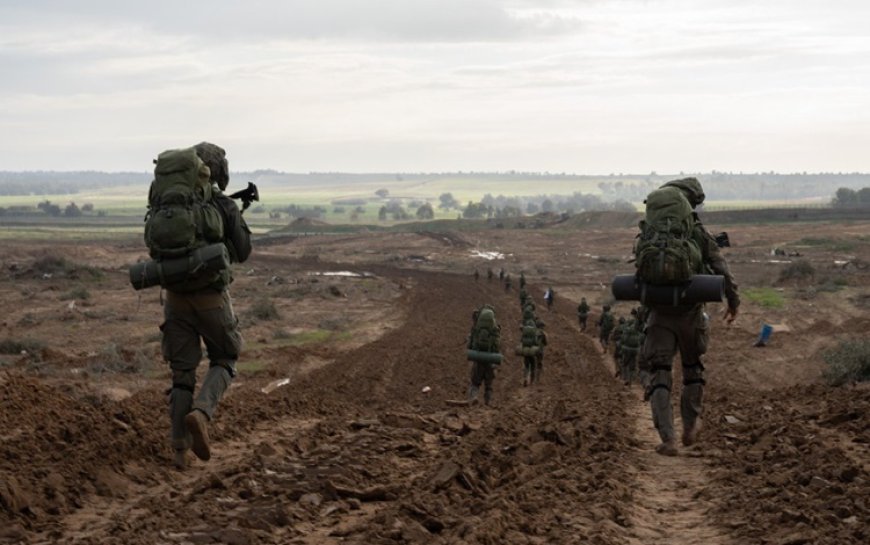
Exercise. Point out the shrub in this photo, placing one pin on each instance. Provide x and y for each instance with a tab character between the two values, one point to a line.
264	309
766	297
848	362
17	346
115	358
79	293
797	270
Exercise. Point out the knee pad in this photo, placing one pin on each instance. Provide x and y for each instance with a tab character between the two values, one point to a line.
229	365
184	380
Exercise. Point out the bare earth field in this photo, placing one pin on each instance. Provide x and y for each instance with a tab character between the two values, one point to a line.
339	429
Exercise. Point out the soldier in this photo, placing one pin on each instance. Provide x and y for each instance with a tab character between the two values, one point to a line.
683	328
616	338
524	295
583	313
630	343
507	283
476	275
605	326
542	343
191	318
489	274
501	275
522	279
549	297
484	339
529	340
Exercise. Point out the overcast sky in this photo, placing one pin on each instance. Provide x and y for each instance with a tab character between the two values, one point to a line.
585	86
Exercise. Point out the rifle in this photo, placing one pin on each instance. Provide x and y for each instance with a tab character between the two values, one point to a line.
247	195
722	240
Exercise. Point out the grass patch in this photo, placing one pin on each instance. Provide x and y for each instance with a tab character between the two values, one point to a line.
765	297
250	367
848	362
17	346
117	359
80	294
59	266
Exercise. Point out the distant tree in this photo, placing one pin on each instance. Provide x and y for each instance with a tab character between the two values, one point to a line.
845	197
382	193
425	212
72	211
339	210
447	201
50	209
360	210
548	206
532	208
382	213
864	195
88	207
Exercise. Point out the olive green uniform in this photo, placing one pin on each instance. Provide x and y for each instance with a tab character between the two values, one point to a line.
204	316
685	329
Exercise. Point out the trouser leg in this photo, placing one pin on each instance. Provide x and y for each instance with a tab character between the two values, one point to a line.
691	401
488	378
216	382
660	403
180	403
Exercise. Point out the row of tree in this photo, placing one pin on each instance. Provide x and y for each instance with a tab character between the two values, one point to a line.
846	197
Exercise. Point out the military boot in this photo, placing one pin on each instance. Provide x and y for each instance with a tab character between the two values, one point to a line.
472	394
180	459
197	425
690	432
667	448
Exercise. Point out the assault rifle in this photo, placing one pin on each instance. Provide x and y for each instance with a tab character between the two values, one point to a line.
247	195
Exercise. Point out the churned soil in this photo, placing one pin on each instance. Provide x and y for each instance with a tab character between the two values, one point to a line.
347	422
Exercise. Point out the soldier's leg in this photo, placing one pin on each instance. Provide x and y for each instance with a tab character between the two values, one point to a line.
488	377
476	380
659	349
528	363
693	344
220	330
539	365
182	349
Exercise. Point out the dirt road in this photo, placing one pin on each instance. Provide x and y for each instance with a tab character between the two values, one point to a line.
353	450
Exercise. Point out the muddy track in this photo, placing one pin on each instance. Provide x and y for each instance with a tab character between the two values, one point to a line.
353	450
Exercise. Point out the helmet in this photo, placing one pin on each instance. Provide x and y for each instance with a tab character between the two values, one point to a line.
691	188
216	158
606	307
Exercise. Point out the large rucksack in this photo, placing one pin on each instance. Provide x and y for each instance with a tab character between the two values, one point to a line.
666	252
529	336
486	333
182	216
607	321
631	337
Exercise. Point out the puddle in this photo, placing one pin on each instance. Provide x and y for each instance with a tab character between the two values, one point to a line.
490	256
343	274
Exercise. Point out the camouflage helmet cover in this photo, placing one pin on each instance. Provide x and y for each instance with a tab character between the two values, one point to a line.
691	188
216	158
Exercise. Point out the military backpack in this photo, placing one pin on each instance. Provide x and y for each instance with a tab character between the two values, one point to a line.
182	216
486	333
666	252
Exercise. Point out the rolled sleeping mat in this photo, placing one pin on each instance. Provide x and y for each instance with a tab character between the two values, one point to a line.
527	350
484	357
701	288
210	259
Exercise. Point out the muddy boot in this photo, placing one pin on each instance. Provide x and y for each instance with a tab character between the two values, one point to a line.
180	403
667	448
472	394
180	459
690	432
197	424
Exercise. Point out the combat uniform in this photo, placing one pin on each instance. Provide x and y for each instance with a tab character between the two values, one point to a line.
583	313
685	329
191	318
